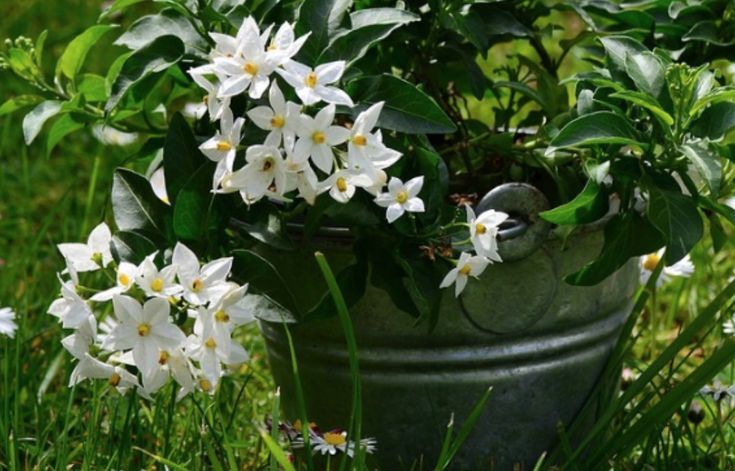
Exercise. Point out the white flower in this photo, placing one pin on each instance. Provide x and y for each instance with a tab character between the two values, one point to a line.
157	283
213	102
317	136
336	440
83	337
229	310
250	68
401	198
145	329
171	363
343	183
158	184
91	256
212	350
484	232
729	326
366	151
467	265
125	279
284	44
117	376
312	86
279	118
110	136
71	309
201	285
302	177
222	148
265	167
683	268
7	326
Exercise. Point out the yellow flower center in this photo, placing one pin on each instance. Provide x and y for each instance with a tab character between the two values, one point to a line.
310	80
480	228
267	164
221	316
465	270
273	47
205	385
250	68
334	439
206	99
224	146
318	137
197	285
123	279
341	184
163	357
144	329
157	284
210	343
402	197
277	122
359	140
651	261
114	379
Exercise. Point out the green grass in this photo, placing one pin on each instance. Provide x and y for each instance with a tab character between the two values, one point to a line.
44	424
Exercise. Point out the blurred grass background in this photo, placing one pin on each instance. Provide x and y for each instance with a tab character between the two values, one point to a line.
45	200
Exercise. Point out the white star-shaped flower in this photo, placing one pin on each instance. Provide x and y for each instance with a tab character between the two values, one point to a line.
317	136
684	268
93	255
146	330
7	324
484	232
124	279
401	198
215	103
467	265
278	118
222	148
71	309
342	184
92	368
83	337
200	284
313	85
366	151
284	44
155	282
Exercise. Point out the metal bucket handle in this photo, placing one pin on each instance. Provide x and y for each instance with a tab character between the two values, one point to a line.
524	231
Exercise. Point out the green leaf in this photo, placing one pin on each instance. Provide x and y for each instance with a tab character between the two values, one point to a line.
717	232
601	127
72	59
34	121
714	122
647	72
647	102
352	45
618	48
407	109
626	235
352	281
118	5
676	217
135	206
588	206
157	56
381	16
92	87
265	224
65	125
720	95
196	210
707	162
707	31
18	103
181	156
131	246
313	17
167	22
22	64
263	278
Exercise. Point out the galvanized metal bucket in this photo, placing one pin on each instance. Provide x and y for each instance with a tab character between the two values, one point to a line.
539	342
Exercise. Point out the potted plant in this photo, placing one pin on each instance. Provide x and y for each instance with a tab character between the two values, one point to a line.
419	153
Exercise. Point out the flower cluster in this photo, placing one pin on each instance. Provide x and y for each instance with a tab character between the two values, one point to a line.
484	238
308	153
165	321
324	443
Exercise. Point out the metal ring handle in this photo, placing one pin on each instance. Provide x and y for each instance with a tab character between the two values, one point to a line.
524	232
